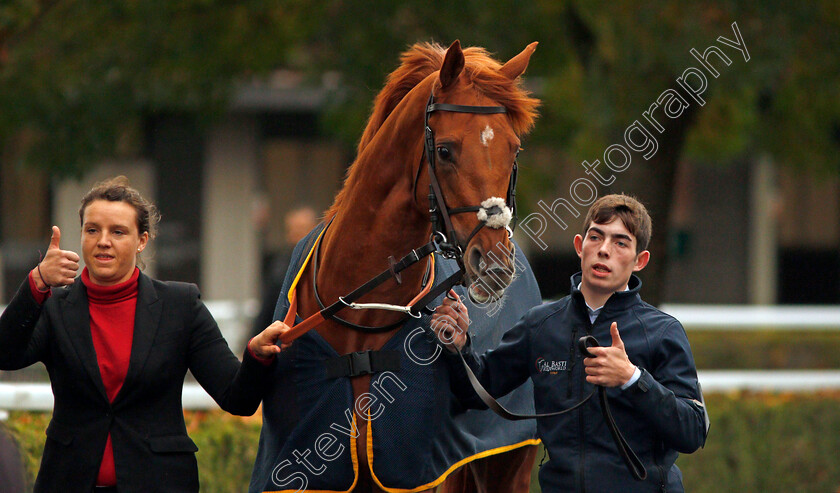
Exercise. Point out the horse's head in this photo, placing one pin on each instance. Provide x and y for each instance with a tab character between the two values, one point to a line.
477	113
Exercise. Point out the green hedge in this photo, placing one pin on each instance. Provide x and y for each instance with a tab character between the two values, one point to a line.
28	430
227	446
768	443
765	349
758	443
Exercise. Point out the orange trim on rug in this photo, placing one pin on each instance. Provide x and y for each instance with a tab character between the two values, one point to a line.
442	478
303	266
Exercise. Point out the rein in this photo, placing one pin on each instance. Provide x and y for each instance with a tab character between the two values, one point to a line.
349	300
393	271
631	460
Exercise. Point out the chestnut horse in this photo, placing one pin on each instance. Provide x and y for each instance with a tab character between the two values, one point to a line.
383	209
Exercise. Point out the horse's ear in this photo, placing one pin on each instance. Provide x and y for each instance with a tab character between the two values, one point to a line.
453	64
517	65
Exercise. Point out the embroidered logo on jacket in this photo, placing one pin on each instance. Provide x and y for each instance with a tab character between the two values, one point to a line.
545	366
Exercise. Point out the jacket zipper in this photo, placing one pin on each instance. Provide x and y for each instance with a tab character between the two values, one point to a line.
581	418
572	360
582	468
658	460
662	487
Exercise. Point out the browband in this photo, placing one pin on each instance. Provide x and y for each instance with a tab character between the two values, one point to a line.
462	108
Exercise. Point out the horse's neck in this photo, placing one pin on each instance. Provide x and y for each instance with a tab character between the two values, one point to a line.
357	247
377	218
351	253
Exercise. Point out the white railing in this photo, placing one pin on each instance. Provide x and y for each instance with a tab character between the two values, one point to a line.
769	380
747	317
39	397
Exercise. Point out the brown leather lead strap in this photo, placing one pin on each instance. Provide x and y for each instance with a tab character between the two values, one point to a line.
631	460
317	318
301	328
493	404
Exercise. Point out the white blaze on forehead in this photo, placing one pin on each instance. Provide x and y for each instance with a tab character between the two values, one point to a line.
486	136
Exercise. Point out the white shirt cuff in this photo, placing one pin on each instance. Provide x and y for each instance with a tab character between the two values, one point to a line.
636	375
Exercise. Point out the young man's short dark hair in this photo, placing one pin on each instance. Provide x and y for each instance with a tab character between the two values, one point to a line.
632	213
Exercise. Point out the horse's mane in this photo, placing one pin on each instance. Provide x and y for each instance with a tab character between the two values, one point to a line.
420	61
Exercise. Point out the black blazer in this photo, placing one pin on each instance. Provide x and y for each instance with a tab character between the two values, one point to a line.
173	332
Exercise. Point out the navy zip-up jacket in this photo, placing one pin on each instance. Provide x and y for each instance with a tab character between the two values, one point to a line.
660	415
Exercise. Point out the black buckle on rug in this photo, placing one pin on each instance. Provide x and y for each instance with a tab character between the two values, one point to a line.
362	363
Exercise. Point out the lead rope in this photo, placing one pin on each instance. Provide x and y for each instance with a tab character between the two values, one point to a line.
631	460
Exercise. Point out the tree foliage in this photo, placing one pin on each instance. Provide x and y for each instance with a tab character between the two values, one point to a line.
77	77
601	64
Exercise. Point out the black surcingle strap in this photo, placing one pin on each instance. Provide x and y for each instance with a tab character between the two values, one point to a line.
362	363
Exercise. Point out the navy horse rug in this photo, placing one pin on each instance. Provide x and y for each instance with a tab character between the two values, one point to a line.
417	433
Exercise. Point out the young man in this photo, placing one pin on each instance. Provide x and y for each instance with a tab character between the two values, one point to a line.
646	364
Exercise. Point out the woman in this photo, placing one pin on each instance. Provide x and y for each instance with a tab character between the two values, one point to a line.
117	345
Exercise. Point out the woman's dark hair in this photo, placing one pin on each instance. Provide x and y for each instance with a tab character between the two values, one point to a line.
118	190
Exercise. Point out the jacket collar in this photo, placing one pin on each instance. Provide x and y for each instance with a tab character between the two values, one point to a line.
76	318
618	301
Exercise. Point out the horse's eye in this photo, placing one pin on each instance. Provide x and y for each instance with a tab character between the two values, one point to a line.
443	152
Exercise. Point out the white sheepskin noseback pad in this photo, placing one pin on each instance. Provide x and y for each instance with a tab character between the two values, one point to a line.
499	218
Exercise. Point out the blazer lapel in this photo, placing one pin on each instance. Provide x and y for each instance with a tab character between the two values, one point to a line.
76	315
146	322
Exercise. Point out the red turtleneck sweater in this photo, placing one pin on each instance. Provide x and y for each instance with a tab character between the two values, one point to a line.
112	329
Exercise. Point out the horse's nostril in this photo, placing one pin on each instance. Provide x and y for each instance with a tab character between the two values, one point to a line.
474	260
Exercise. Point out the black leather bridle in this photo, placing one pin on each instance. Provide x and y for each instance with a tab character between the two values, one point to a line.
444	238
440	214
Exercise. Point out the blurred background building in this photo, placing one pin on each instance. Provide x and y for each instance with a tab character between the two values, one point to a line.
229	115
